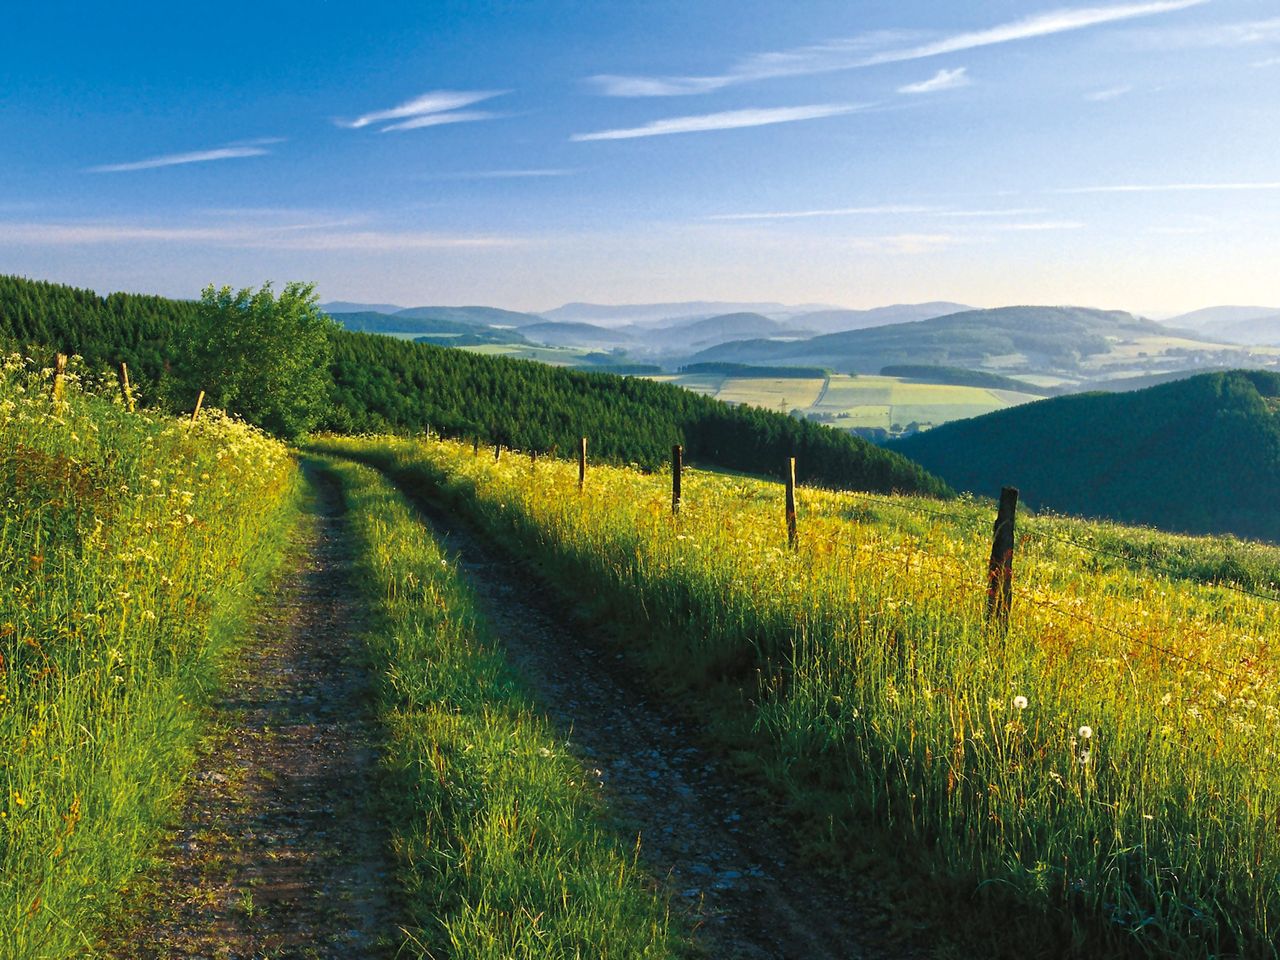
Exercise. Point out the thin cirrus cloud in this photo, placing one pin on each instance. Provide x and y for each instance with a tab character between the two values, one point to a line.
881	209
1110	93
831	212
235	151
292	236
725	120
1172	187
942	80
879	48
428	110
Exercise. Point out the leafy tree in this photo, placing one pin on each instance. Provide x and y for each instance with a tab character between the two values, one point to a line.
262	357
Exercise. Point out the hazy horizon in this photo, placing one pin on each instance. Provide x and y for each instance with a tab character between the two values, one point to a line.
1118	155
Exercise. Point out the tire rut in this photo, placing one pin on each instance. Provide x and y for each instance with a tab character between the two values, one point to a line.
706	836
280	853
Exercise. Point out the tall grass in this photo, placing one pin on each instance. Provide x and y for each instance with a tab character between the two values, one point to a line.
501	848
130	546
1109	766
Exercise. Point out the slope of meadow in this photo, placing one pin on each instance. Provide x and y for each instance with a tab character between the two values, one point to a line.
1108	766
130	548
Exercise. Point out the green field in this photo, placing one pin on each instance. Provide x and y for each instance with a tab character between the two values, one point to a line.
852	403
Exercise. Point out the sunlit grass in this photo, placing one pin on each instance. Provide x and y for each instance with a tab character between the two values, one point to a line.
129	549
1110	764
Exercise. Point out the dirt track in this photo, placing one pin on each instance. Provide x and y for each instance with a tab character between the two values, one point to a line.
713	842
280	854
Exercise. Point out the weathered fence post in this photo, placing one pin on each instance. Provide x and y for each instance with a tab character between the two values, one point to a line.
793	539
125	388
1000	566
196	412
677	466
497	452
582	463
475	446
59	376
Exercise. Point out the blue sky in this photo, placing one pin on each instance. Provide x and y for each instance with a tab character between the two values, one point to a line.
1119	154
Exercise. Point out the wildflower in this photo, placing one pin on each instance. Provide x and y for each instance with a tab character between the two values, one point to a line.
1020	702
1085	732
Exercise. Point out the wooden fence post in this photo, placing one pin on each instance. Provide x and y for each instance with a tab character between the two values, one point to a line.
59	376
196	412
125	388
497	452
793	538
582	463
677	466
475	446
1000	566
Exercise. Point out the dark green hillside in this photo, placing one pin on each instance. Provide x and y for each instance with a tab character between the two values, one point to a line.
1049	337
383	384
132	328
1200	455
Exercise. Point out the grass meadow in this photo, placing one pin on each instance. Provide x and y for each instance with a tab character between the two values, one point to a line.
131	546
1103	777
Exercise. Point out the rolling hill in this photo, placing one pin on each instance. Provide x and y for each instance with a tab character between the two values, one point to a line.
835	321
1044	337
1200	455
658	313
1210	318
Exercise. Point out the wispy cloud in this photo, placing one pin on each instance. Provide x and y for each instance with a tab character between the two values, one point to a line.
1243	33
1269	62
726	120
890	209
1110	93
1037	226
1170	187
249	148
1011	212
906	243
879	48
297	236
942	80
439	119
428	110
831	212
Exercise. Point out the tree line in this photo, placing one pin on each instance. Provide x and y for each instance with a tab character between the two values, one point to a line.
280	363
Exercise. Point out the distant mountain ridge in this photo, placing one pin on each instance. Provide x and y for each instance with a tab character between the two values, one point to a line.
624	313
1054	336
835	321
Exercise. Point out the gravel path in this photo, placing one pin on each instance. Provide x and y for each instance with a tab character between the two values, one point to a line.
280	854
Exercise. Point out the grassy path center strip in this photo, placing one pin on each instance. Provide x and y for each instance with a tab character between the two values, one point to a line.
501	845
